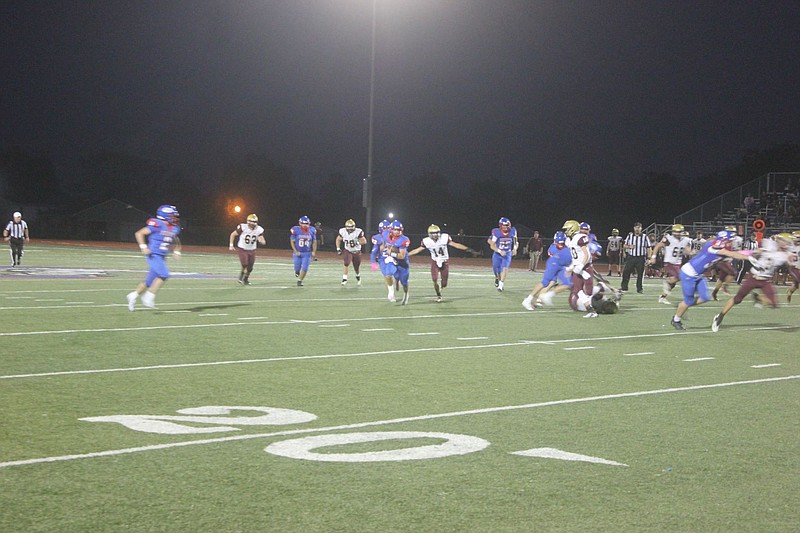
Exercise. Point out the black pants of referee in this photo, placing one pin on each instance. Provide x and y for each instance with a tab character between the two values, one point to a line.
16	250
633	262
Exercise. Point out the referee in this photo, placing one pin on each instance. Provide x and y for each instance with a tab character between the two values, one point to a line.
16	233
636	247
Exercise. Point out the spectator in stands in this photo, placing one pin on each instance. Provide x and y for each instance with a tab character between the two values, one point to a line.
749	204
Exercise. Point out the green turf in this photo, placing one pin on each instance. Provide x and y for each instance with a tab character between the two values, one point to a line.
709	444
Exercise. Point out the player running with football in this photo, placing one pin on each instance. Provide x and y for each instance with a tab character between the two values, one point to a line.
246	238
395	250
436	243
156	239
348	244
303	239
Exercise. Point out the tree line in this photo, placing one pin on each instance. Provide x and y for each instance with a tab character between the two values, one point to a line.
279	197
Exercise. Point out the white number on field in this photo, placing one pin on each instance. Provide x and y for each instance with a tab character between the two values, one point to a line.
446	445
167	425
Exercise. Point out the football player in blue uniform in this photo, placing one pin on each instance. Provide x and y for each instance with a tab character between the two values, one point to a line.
376	255
555	273
303	240
693	282
503	242
156	239
395	248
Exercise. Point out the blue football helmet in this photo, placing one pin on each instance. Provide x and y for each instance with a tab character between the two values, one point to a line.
168	213
504	223
725	235
383	224
560	237
304	220
585	226
397	225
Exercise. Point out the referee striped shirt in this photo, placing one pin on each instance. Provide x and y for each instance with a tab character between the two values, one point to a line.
16	230
640	244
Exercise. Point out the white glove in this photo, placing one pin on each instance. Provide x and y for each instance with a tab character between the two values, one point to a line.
389	260
585	275
577	269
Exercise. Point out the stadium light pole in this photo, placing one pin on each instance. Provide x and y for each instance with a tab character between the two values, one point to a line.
367	185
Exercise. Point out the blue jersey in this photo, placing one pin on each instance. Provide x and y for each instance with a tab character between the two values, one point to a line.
303	239
502	241
375	254
162	236
556	266
402	242
704	259
560	256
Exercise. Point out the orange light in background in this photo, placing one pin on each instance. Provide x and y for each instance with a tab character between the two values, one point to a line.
234	206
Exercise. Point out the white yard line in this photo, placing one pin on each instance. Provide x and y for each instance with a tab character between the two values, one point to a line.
335	356
453	414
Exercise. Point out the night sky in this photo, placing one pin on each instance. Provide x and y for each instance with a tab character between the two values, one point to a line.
554	90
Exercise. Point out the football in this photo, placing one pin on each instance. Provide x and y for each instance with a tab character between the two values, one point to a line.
394	249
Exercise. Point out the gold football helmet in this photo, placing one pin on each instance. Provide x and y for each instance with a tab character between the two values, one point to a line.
571	227
434	231
678	229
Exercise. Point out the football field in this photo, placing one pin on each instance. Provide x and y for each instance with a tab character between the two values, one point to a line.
273	407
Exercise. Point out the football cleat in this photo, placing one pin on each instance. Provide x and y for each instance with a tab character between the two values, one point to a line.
547	298
663	300
590	314
526	303
132	300
716	322
677	324
149	299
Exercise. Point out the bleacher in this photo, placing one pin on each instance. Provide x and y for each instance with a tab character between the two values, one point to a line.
777	202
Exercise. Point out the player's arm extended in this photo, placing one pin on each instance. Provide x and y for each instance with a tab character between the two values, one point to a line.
732	254
416	250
